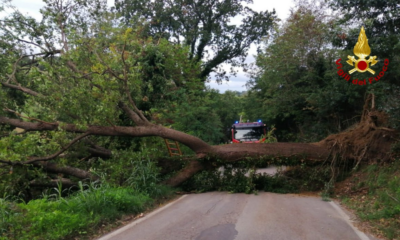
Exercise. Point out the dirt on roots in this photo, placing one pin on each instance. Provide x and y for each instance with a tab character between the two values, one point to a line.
369	141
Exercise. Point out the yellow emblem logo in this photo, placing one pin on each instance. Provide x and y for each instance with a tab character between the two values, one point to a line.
362	50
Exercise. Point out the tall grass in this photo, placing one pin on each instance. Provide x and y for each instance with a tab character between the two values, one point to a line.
7	218
136	170
55	217
381	204
145	176
129	184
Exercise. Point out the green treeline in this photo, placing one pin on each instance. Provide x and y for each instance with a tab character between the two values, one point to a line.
297	86
83	60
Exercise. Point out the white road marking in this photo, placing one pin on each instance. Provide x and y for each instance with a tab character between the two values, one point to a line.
118	231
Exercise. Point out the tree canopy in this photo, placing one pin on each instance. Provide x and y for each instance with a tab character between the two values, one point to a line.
381	20
296	82
204	26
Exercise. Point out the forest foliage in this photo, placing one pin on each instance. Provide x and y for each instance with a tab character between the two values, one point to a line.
83	62
72	67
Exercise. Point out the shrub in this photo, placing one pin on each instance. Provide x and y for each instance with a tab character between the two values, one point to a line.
54	217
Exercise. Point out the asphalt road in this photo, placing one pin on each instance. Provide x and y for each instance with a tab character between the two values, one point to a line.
224	216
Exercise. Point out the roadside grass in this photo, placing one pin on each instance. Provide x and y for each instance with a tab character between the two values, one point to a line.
129	186
55	217
374	194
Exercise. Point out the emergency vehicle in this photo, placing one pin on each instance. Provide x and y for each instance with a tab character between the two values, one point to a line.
249	132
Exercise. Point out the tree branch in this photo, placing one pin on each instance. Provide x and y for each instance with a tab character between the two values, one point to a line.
144	130
6	162
36	159
71	171
20	88
98	151
133	115
192	168
12	76
127	92
18	114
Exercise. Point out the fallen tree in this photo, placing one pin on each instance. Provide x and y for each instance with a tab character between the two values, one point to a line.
104	85
370	139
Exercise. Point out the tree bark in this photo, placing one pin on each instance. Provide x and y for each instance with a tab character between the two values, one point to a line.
71	171
237	152
187	172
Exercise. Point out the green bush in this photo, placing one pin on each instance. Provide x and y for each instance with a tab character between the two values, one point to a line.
240	178
54	217
51	219
277	184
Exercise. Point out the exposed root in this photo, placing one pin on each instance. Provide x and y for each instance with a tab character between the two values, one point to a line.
370	140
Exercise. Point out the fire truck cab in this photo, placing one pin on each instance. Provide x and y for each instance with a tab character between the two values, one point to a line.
250	132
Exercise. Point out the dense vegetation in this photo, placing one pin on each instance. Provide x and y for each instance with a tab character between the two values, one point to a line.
82	87
296	85
373	192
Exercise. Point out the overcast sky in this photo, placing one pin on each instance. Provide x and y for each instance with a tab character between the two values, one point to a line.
282	8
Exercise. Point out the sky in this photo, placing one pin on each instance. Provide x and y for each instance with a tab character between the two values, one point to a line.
282	8
237	83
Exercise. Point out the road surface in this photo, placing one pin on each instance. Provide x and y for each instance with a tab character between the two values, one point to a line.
224	216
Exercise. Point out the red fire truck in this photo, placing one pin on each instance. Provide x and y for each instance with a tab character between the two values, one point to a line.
249	132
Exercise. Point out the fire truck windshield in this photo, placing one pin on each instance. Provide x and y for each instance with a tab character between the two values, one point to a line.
248	134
